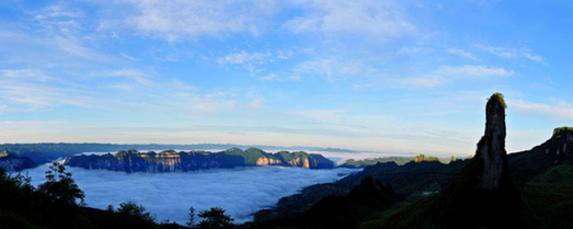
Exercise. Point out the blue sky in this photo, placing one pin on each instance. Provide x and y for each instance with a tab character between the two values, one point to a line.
386	76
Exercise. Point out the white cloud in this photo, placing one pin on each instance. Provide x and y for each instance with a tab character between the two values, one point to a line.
180	19
533	57
269	77
557	110
332	68
510	53
243	57
423	81
379	19
462	53
445	74
131	74
3	108
475	71
500	52
202	190
37	96
415	50
57	11
322	115
59	18
256	103
73	46
29	74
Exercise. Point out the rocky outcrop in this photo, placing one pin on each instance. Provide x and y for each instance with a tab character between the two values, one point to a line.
483	195
172	161
9	162
491	147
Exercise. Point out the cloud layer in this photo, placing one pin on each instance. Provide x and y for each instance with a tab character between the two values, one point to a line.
168	196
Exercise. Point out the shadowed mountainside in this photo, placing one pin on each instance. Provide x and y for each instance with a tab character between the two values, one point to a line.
529	189
10	162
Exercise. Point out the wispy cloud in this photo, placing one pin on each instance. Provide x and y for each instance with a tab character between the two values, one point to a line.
445	74
31	90
474	71
256	103
379	19
26	73
512	53
322	115
462	53
556	110
132	74
176	20
331	68
244	57
533	57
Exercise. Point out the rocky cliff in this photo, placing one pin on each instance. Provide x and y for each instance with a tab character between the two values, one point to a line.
491	147
171	161
10	162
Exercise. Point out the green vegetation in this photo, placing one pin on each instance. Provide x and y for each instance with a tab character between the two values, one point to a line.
132	209
250	155
421	157
54	204
215	218
351	163
60	187
191	218
287	156
550	197
500	98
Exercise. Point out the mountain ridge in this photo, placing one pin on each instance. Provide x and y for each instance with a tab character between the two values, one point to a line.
171	160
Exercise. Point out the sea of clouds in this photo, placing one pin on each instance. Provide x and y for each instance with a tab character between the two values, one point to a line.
168	196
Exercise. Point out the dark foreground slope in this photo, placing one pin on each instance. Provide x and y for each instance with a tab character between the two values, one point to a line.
529	189
53	205
482	195
411	180
340	211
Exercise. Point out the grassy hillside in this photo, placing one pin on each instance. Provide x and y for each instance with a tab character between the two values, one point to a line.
550	197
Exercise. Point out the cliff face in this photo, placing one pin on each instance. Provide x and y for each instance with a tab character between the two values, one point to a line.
171	161
10	162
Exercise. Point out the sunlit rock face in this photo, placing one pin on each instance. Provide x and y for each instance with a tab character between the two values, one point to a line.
266	161
172	161
300	162
491	147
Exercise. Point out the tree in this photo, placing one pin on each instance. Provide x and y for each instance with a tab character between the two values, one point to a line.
215	218
191	217
60	187
130	208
